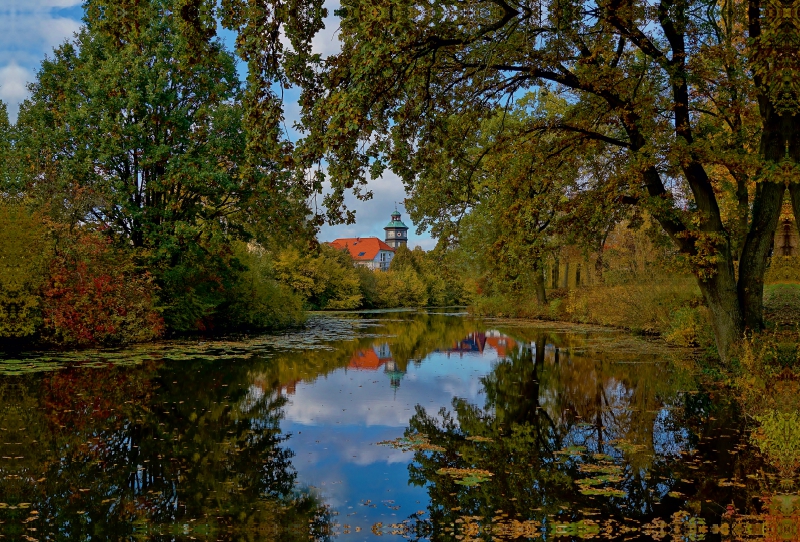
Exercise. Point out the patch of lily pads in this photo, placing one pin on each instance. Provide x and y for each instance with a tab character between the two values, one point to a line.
413	443
467	477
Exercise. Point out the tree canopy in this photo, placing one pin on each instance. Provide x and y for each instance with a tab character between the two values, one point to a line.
683	108
695	99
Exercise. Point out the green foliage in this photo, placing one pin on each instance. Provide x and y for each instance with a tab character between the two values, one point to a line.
257	300
25	252
409	268
135	128
688	326
778	438
275	40
9	158
148	139
783	269
507	196
644	117
402	288
324	279
782	305
368	286
195	278
328	280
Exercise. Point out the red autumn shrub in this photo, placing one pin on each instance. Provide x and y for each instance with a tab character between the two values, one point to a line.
95	295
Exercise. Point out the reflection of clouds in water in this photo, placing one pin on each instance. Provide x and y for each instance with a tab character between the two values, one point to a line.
338	399
326	456
251	399
321	409
457	387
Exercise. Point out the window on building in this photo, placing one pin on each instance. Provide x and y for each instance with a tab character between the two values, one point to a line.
361	254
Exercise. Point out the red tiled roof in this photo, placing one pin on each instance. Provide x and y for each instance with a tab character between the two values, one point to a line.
366	360
501	344
361	248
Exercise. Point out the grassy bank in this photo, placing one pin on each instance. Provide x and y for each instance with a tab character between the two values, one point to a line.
671	308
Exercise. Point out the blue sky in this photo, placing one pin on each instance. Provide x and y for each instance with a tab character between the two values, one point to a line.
30	29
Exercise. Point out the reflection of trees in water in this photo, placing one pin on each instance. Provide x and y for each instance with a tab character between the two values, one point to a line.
551	428
409	336
413	337
153	451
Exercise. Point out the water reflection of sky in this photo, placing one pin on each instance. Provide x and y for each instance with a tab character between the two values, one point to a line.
337	421
189	428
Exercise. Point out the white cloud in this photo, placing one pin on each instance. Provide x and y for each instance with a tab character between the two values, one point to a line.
13	83
326	42
29	30
374	214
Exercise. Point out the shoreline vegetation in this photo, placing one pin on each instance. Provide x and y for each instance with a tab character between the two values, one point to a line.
148	191
76	289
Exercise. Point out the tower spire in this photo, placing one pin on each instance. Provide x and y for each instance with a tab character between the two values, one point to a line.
396	231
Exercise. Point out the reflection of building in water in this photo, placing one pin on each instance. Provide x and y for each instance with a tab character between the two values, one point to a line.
366	360
477	342
372	359
395	374
474	342
503	344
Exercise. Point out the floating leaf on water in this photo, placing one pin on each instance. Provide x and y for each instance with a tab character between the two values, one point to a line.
571	450
628	447
467	477
418	442
606	468
599	480
603	491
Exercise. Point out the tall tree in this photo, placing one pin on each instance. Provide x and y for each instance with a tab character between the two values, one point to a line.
695	95
145	133
136	127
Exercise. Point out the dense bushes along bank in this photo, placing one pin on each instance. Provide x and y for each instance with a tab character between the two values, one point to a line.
75	287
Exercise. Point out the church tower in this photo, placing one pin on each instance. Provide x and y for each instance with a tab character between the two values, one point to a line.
396	231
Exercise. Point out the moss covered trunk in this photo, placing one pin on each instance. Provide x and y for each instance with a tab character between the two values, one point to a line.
538	285
721	297
753	265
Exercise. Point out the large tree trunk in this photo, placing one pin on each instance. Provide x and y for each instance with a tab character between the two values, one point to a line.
719	292
753	265
780	140
538	284
794	193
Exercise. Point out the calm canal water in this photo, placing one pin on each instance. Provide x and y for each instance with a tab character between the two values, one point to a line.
382	426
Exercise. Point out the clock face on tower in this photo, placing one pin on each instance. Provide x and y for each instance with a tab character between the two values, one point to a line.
396	231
